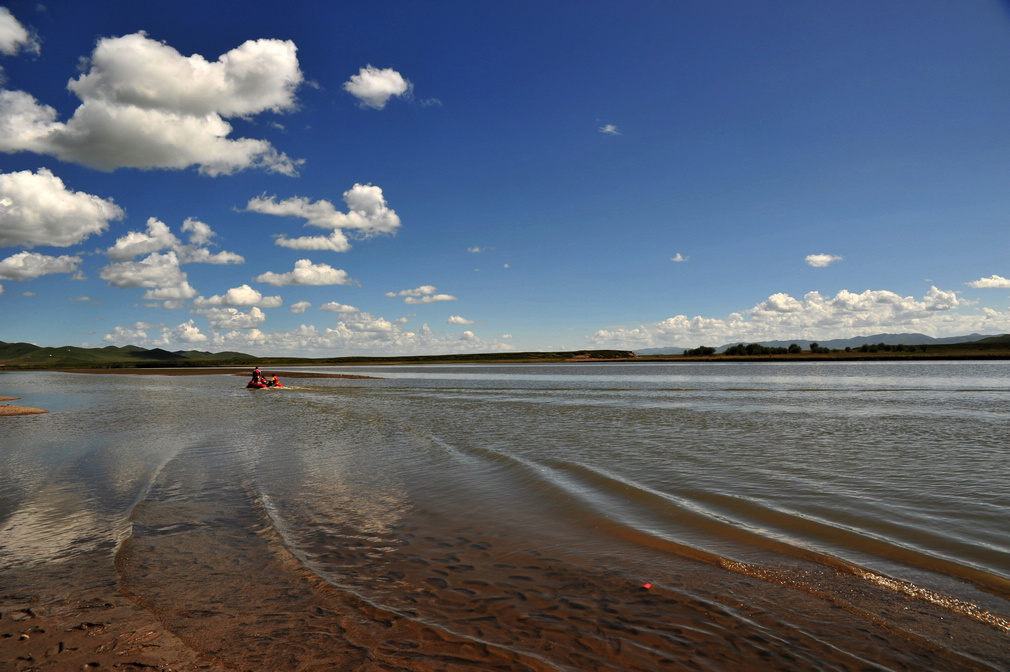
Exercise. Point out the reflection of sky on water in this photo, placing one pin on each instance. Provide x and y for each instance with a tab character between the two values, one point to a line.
537	448
324	473
68	483
53	524
922	375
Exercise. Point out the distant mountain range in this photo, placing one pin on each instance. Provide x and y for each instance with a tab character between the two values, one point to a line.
837	343
68	356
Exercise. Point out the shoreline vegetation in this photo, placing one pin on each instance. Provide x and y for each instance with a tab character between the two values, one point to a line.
29	357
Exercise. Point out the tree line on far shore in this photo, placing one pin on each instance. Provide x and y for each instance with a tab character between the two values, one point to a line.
753	349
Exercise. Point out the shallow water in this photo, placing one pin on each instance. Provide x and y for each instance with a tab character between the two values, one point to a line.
829	516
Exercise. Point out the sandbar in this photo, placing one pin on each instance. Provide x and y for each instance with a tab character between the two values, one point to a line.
8	409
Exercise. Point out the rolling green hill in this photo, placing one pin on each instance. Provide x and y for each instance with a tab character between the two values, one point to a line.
20	356
25	356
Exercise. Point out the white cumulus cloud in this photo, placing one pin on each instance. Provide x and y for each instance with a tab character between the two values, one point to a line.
814	316
38	209
186	333
335	242
128	335
300	307
334	307
456	319
233	318
159	237
368	214
159	273
242	296
144	105
156	238
14	37
609	129
992	282
306	273
422	294
374	87
30	265
359	332
200	234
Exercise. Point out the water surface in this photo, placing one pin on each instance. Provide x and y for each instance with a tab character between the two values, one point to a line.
828	516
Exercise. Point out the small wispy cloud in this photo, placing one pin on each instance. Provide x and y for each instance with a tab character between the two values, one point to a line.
821	260
678	258
609	129
475	249
456	319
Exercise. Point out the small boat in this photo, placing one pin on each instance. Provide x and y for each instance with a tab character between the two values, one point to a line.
253	385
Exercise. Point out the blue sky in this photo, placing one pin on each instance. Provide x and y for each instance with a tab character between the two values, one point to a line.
430	177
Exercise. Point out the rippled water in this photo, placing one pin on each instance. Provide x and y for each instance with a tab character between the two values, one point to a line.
786	516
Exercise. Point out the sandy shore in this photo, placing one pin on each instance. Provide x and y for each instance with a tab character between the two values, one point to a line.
8	409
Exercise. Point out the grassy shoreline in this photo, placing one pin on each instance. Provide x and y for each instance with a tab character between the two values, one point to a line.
79	359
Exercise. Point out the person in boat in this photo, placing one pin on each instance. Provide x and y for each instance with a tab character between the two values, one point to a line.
257	378
273	382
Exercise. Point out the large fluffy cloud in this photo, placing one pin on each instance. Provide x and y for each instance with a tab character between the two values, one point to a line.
367	214
813	317
29	265
306	273
145	105
374	87
38	209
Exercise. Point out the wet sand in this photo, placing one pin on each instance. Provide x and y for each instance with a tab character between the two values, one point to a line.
447	603
57	619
